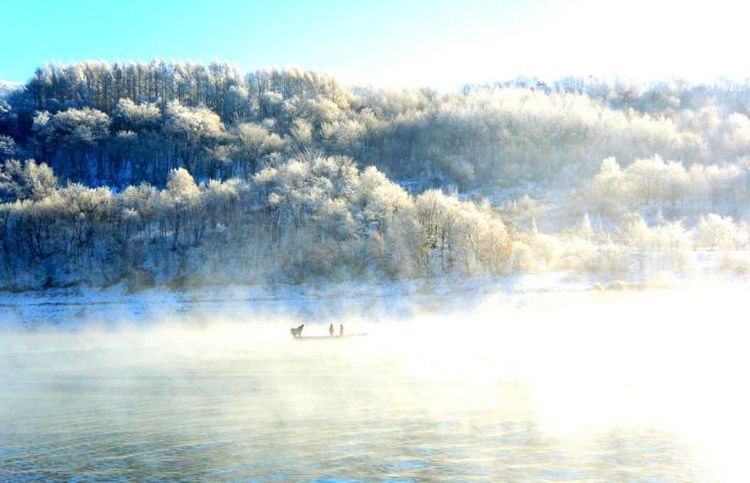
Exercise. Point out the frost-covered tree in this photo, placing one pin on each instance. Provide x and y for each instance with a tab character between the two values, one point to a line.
137	117
253	144
292	173
8	147
195	131
720	232
75	127
26	181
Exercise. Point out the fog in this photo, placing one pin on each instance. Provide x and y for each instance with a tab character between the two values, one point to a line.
546	276
579	385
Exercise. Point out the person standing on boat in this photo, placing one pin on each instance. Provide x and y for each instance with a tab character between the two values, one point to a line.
341	329
330	329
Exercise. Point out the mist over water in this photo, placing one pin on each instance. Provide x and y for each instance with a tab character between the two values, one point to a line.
552	385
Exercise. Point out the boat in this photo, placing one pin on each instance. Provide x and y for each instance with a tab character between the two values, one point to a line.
330	337
297	334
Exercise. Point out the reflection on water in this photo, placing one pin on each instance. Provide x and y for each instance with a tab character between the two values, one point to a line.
405	403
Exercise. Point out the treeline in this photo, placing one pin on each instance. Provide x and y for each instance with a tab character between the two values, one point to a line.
121	124
649	217
636	248
667	188
183	173
655	97
307	218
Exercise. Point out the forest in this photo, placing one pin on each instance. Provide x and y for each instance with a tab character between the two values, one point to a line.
183	174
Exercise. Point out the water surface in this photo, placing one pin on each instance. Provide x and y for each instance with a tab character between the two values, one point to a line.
566	387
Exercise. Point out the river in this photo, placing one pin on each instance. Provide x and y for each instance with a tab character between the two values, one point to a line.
602	386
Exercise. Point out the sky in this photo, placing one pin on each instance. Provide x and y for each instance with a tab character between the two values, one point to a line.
390	43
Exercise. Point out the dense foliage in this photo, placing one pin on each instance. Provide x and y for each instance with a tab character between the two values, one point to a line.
302	219
179	172
121	124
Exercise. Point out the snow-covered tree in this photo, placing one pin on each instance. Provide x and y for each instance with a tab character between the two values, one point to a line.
27	180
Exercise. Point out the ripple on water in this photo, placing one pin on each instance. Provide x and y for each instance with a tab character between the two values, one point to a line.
314	416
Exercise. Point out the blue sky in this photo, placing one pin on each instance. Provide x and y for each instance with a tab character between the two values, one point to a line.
439	43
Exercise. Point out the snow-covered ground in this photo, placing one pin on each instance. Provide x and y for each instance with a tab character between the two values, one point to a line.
71	307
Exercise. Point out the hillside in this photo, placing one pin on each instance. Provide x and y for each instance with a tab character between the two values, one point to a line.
181	174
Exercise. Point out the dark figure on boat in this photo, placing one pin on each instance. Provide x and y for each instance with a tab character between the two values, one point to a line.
297	331
330	329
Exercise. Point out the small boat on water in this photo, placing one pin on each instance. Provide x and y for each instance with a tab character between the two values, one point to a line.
329	337
297	334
